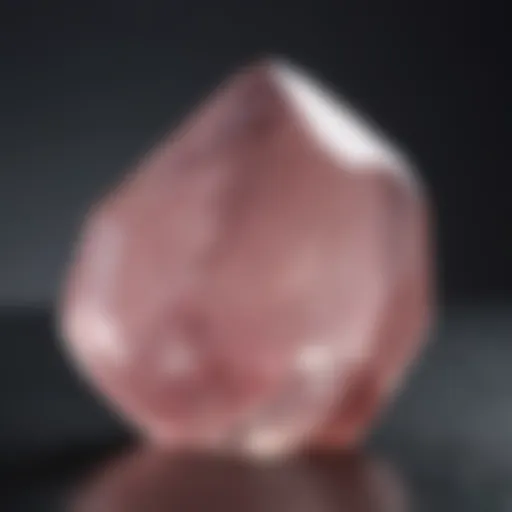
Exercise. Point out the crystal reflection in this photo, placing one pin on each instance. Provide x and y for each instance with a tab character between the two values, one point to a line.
148	480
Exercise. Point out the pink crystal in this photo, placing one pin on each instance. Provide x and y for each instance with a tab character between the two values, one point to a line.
261	280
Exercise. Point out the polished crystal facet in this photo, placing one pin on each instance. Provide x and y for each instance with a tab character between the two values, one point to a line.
261	280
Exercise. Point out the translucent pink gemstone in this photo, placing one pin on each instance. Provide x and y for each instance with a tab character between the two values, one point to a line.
261	280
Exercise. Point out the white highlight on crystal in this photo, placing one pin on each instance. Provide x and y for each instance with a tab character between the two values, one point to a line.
336	126
266	443
314	359
96	334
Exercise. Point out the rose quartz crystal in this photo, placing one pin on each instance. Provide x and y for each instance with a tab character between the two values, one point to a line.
261	280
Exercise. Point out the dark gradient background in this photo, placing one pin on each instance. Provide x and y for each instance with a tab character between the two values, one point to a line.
87	87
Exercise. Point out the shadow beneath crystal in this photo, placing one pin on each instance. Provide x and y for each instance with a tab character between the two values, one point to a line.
149	480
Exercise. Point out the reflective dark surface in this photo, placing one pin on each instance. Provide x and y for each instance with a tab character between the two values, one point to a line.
142	479
148	480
